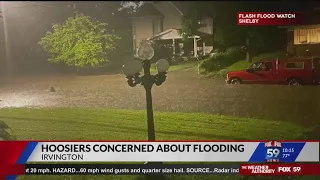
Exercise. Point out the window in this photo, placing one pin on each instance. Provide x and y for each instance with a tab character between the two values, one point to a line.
256	66
161	25
313	37
295	65
268	66
303	36
157	25
307	36
134	36
318	35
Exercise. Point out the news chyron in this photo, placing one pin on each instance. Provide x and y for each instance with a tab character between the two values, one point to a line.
269	18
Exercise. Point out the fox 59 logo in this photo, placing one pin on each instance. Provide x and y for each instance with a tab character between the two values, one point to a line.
273	154
273	151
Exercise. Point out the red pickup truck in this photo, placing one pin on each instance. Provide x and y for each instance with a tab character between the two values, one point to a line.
293	71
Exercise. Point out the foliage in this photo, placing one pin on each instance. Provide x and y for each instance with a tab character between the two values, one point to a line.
117	14
79	41
6	132
226	31
189	21
130	6
189	25
224	38
162	51
222	59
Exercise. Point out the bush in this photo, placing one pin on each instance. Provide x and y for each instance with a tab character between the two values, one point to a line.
223	59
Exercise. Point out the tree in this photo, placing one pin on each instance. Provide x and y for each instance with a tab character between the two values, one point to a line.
79	41
189	23
226	31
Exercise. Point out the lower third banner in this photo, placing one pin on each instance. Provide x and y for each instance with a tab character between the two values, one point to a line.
21	152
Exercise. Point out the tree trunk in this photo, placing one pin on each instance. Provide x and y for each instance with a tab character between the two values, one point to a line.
249	55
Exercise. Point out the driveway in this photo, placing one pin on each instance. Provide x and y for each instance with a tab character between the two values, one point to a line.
183	91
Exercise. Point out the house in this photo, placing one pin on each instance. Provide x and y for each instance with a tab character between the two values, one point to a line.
304	40
160	22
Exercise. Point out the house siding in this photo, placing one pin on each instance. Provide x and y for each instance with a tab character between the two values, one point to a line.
172	18
171	23
143	29
301	49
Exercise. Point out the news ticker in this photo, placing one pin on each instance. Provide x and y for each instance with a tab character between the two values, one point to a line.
183	169
24	152
270	18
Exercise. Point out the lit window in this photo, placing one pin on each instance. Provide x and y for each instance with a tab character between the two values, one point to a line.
303	39
313	36
307	36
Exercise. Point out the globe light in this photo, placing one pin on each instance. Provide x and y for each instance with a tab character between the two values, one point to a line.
131	68
162	65
145	51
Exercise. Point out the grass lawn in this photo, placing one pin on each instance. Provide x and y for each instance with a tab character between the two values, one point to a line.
185	66
244	64
240	65
108	124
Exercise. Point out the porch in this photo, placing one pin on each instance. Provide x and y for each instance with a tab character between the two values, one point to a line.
201	44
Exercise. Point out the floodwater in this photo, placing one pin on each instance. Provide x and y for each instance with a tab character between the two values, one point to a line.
184	92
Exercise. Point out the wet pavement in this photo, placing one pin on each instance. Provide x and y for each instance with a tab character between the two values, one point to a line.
183	91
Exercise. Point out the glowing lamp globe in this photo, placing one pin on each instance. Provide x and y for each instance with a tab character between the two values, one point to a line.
162	65
131	68
145	51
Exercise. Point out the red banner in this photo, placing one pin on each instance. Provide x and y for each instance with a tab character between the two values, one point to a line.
280	169
11	169
269	18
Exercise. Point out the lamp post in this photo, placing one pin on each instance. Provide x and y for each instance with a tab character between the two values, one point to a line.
3	17
147	80
8	62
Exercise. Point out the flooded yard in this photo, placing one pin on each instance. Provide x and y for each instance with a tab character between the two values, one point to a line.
182	92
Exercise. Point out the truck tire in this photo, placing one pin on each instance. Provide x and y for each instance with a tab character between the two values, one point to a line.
235	81
294	82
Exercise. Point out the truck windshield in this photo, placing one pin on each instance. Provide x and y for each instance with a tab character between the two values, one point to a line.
256	66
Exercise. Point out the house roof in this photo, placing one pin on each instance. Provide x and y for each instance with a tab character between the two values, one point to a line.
147	10
179	6
169	34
